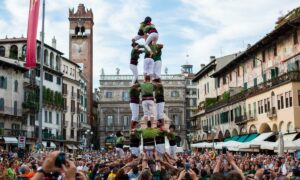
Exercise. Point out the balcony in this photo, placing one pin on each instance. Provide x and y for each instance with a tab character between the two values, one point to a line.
13	132
272	113
241	119
205	129
10	111
50	136
293	76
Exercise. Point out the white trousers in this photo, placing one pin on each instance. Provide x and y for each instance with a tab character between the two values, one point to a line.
135	151
153	37
138	37
148	108
135	73
173	151
120	152
160	110
148	66
149	151
135	108
161	149
157	69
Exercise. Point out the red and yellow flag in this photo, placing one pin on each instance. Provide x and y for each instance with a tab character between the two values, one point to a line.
33	19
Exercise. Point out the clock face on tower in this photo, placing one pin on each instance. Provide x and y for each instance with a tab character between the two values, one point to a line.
79	50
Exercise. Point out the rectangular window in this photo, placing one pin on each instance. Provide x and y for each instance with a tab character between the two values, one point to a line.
264	77
287	99
15	107
46	116
249	110
278	102
65	88
125	121
263	56
48	77
254	109
282	101
109	120
275	50
269	104
291	98
230	76
238	71
1	104
31	120
50	117
254	63
204	88
57	118
72	133
58	80
266	106
207	87
108	94
224	80
295	37
258	107
3	82
255	82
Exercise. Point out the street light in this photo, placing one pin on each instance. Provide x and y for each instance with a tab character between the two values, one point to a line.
212	132
88	133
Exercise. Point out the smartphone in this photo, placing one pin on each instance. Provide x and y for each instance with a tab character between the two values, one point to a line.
224	150
187	166
60	160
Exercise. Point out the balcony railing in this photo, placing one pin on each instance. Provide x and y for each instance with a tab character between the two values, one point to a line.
293	76
50	136
272	113
241	119
10	111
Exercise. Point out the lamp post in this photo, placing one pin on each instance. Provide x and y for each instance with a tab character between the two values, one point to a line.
212	132
88	134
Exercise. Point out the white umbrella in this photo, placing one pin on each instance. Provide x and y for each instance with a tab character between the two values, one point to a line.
280	144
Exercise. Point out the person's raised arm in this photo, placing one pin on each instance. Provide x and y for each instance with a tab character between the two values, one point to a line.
230	159
218	163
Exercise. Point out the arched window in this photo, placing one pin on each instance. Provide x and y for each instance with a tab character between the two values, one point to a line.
290	127
57	64
77	30
2	51
13	52
46	57
24	51
38	53
16	86
1	104
51	60
82	29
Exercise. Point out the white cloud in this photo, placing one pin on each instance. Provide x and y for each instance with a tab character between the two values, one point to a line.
199	28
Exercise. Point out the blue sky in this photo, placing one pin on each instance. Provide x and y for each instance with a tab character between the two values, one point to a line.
199	28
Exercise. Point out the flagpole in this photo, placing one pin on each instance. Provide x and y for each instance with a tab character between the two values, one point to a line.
41	77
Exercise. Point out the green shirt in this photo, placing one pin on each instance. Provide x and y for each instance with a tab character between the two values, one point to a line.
120	140
157	52
159	91
147	89
135	53
147	28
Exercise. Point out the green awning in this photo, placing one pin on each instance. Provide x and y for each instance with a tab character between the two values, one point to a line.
251	137
234	138
227	139
242	138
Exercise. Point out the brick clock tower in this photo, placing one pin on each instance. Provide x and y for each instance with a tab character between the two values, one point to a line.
81	48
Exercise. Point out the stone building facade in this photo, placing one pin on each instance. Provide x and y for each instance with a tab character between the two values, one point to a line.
114	111
256	91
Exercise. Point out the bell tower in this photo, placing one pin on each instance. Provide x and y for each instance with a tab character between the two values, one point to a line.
81	47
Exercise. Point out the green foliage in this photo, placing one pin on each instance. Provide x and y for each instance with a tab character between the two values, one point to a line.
209	102
150	133
226	96
52	97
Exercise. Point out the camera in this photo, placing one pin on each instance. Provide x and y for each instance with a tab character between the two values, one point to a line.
60	160
224	150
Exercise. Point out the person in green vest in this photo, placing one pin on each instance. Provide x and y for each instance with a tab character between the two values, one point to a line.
119	144
134	104
147	91
135	55
160	103
157	62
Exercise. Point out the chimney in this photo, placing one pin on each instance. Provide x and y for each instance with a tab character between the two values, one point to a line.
212	58
54	42
202	66
248	46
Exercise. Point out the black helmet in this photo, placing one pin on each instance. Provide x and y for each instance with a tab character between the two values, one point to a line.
147	19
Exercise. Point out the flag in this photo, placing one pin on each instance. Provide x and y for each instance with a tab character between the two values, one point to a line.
31	33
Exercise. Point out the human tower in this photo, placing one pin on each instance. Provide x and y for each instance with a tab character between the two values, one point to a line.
151	92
